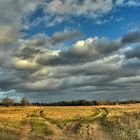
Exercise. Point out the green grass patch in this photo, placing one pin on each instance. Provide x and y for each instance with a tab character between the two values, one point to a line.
39	127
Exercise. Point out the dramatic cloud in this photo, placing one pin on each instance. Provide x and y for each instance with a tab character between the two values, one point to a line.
64	64
95	63
131	37
83	51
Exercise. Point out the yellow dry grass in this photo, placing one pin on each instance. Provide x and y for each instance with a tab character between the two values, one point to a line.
123	121
68	113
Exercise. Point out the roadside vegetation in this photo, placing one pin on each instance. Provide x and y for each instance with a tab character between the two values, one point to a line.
124	124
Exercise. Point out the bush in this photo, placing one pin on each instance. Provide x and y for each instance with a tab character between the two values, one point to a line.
7	101
25	101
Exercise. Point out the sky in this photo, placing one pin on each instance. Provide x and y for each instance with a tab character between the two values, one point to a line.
56	50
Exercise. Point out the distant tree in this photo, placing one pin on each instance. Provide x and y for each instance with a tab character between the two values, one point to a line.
25	101
7	101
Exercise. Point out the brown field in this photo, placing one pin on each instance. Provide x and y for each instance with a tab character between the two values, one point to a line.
118	122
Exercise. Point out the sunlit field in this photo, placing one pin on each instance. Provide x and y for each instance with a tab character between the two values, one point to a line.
118	122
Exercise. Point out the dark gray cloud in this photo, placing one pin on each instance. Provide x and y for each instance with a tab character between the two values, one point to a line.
133	53
29	52
81	52
63	36
132	37
95	66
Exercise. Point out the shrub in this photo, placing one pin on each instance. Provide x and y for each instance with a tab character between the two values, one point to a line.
7	101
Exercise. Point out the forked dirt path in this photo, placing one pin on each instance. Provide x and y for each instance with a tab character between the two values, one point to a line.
58	134
91	131
96	130
26	132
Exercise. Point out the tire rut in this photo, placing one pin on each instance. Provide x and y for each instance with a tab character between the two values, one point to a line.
25	135
95	130
58	134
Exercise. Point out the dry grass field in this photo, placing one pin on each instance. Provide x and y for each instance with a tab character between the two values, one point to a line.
118	122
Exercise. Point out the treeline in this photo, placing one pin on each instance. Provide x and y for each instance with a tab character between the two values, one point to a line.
25	102
89	103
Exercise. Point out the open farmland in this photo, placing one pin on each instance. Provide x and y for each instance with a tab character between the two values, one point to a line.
118	122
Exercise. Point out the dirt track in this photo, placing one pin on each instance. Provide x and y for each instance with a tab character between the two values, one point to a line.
92	131
26	132
75	130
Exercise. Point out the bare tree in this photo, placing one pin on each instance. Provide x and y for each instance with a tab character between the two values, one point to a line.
7	101
25	101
